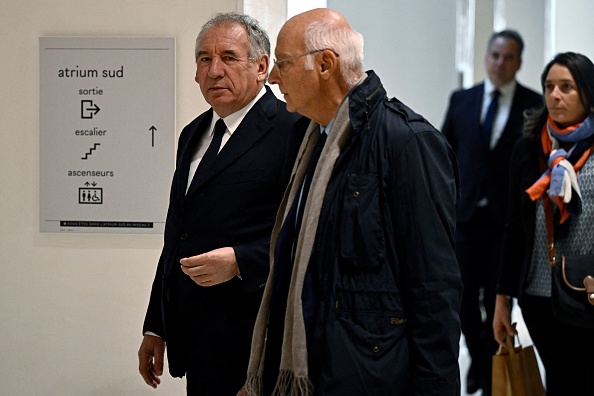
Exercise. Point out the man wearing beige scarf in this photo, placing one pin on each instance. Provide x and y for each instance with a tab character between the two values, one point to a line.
364	289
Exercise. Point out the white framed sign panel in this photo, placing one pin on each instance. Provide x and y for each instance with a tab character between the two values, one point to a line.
107	133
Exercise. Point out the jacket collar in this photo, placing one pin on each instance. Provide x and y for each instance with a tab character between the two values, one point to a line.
255	125
364	99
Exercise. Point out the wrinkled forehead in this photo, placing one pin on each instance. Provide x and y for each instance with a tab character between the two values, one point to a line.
223	38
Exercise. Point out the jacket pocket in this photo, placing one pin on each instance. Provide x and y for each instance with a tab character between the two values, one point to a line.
359	362
362	242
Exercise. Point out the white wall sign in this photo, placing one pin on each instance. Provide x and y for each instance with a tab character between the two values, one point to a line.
107	131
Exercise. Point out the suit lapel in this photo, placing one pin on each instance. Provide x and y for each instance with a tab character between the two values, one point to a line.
477	103
187	150
254	126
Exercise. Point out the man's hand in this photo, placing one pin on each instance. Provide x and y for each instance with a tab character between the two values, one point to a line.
150	359
211	268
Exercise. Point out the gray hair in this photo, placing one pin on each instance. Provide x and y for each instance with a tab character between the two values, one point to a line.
258	41
345	42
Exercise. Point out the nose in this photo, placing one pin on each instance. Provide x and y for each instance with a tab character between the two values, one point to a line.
216	68
274	77
555	93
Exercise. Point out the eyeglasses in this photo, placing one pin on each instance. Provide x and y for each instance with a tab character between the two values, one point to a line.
278	63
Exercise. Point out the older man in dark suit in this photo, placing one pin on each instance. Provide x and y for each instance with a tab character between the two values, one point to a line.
482	124
228	183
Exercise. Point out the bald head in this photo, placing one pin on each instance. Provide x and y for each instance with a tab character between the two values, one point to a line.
323	28
299	23
297	26
320	58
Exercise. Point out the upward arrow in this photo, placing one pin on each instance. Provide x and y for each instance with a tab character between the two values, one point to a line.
153	129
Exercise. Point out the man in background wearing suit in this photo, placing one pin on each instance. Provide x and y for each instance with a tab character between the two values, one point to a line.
226	189
482	125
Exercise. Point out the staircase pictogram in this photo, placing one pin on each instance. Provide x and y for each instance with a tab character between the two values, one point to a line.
91	151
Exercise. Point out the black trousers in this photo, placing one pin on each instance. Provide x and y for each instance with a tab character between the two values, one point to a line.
566	351
216	325
478	250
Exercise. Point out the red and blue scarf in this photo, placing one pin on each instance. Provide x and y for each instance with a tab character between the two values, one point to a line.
560	177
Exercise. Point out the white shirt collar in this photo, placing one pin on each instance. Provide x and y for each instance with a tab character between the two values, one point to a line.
506	90
232	121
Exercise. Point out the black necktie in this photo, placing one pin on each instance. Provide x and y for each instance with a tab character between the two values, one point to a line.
211	153
487	125
210	156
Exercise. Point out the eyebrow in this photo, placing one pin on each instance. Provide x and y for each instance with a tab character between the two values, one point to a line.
225	52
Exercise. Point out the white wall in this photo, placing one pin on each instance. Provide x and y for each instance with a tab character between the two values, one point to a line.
295	7
411	45
574	29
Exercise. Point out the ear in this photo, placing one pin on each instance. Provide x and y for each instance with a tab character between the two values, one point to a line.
328	63
263	65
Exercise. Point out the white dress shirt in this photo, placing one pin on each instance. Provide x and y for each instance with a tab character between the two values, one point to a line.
232	121
505	102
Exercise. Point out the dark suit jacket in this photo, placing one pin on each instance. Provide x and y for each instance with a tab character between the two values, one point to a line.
234	204
461	129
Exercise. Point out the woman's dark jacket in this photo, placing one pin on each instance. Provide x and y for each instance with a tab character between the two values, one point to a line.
519	234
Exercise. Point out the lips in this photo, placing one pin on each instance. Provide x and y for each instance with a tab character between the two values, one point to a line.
217	88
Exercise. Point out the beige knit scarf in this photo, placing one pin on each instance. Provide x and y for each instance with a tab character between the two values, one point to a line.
293	375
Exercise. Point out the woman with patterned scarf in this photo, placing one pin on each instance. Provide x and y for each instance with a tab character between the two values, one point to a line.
552	160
